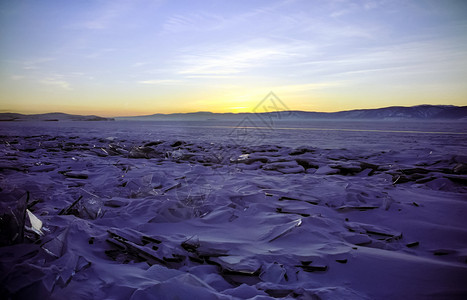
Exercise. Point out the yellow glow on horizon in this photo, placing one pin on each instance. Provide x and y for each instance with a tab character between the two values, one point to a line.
321	97
146	106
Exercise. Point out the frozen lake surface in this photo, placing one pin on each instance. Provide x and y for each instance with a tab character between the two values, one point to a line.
322	134
256	209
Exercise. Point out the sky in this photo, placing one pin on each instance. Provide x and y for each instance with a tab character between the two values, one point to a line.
139	57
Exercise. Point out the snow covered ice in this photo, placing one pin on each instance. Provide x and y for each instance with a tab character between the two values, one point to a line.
160	210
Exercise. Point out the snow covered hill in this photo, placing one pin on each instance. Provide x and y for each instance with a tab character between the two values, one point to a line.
50	117
443	112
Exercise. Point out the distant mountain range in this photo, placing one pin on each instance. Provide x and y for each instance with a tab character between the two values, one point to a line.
50	117
394	113
426	112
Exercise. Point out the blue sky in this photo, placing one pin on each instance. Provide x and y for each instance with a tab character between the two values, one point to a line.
147	56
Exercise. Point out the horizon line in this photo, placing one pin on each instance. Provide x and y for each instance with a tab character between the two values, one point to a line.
233	113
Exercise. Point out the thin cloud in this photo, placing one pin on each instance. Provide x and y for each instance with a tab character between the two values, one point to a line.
403	58
211	76
35	63
309	86
100	53
140	64
343	8
56	82
17	77
106	16
233	60
161	81
198	21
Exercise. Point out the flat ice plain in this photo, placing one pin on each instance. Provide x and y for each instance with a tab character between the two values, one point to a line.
229	210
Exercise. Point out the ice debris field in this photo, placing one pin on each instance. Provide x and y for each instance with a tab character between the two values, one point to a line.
126	210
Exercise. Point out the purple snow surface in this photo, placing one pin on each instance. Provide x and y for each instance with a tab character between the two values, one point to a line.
208	210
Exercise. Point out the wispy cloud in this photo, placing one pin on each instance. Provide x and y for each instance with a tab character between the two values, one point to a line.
211	76
301	34
35	63
231	60
397	58
140	64
309	86
57	82
101	52
197	21
105	17
211	21
17	77
161	81
342	8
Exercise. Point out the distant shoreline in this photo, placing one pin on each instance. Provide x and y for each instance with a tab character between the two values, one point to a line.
393	113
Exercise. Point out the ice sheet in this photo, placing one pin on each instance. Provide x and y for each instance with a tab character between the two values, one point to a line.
136	210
